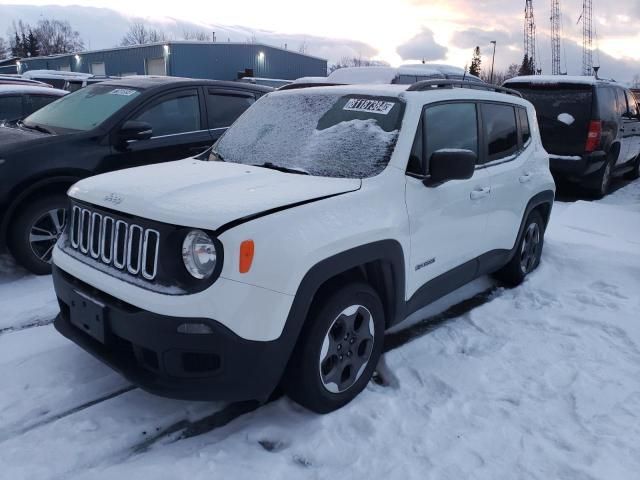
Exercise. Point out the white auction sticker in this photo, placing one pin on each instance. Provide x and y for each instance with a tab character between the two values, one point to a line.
123	91
369	106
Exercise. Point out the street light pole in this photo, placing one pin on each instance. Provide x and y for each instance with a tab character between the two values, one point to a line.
493	61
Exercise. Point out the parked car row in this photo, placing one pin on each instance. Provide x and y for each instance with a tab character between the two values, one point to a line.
18	101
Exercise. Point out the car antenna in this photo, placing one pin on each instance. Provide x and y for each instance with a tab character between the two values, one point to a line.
464	75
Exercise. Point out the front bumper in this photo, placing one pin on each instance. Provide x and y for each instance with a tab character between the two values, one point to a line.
148	350
582	170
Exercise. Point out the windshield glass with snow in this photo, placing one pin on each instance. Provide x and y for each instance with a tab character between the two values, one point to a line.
322	134
83	110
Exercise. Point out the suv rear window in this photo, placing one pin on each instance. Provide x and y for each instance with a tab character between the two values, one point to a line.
564	112
322	134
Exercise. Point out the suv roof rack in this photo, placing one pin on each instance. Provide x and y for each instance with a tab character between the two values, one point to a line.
425	85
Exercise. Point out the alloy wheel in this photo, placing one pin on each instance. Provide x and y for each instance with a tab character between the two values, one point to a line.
45	232
346	348
530	248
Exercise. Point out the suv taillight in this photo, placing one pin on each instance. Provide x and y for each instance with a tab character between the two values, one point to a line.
594	136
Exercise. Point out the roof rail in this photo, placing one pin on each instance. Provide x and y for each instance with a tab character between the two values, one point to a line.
425	85
297	86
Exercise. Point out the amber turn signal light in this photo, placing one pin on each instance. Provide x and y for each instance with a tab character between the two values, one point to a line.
247	248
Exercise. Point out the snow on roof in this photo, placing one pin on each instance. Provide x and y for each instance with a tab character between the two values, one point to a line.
54	74
26	88
310	80
554	79
386	75
436	67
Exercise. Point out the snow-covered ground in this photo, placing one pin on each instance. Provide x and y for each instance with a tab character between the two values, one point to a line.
538	382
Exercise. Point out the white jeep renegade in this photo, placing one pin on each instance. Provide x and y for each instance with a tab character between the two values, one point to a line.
320	219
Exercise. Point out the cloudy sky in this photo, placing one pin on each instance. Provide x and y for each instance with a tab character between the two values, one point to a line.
398	31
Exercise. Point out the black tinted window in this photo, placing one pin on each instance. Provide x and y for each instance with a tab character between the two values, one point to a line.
622	102
176	114
524	125
501	131
608	103
223	110
451	126
36	102
10	108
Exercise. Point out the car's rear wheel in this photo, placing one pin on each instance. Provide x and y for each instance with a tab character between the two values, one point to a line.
35	231
635	173
528	252
604	180
338	350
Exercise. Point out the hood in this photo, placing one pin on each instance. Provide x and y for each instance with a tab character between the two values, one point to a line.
203	194
10	135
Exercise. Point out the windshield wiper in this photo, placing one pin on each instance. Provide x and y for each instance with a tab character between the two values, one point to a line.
281	168
218	157
35	126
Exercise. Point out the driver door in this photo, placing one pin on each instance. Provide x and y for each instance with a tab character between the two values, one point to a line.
447	222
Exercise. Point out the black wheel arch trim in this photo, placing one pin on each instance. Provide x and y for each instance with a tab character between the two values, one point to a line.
28	191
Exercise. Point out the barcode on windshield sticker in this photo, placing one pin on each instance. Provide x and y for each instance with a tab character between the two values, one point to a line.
122	91
369	106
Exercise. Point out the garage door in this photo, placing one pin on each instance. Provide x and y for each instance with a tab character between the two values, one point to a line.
155	66
98	69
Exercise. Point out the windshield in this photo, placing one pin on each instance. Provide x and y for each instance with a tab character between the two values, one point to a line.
322	134
83	110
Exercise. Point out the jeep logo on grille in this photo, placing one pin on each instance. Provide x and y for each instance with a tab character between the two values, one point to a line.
113	198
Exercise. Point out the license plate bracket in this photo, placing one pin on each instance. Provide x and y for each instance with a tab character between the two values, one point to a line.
88	314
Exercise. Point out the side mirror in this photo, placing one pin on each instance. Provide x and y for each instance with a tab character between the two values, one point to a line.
450	164
134	130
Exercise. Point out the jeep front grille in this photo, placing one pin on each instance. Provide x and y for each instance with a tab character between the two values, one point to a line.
125	246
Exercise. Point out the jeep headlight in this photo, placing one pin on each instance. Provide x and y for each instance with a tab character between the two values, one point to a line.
199	254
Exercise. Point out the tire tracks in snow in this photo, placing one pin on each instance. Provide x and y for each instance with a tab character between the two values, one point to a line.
35	323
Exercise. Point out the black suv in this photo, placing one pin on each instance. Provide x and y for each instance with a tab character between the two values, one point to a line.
590	127
107	126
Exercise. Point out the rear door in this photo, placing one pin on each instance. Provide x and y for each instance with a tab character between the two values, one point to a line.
632	125
508	158
224	106
624	127
179	130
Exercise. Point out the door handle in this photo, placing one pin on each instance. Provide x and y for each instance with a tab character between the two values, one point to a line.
479	193
525	178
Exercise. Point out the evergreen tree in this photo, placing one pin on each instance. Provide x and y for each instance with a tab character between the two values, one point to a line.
32	47
17	49
527	67
476	62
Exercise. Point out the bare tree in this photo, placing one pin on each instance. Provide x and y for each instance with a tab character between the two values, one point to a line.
198	36
57	36
140	34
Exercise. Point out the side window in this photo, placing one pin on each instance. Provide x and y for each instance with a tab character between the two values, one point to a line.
622	101
452	125
179	113
10	108
525	128
501	130
36	102
633	106
223	109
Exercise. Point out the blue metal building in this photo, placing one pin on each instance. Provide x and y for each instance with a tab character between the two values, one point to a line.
220	61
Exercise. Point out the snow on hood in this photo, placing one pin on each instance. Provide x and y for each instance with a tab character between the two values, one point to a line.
202	194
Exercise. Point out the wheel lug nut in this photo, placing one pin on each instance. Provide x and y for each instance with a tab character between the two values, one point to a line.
349	353
339	346
352	340
341	357
346	337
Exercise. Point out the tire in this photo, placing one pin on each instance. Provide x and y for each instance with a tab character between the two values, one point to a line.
528	252
34	231
337	353
604	180
635	173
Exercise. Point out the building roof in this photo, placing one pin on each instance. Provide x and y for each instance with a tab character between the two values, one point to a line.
172	42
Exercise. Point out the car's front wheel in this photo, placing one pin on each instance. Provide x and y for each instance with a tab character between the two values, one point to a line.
635	173
338	350
35	230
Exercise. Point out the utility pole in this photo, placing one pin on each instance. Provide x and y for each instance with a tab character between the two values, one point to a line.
493	60
587	37
555	38
530	34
